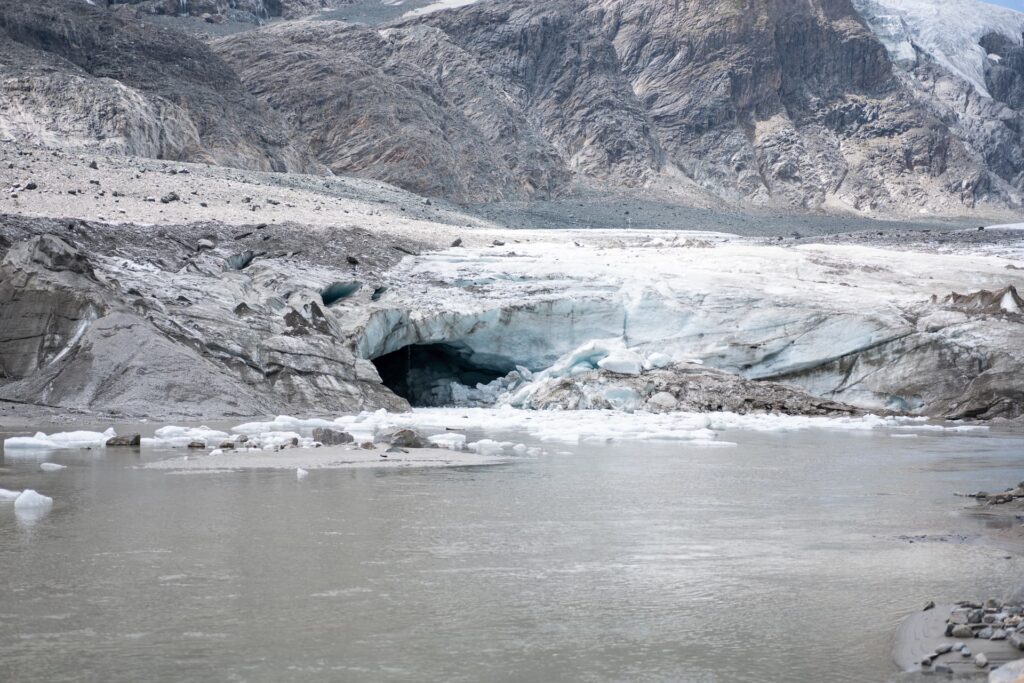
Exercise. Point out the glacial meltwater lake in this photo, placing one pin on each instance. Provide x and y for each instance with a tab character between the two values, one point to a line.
789	557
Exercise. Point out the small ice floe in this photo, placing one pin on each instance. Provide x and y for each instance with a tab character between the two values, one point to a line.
301	474
30	506
217	451
282	423
52	467
449	440
179	437
59	440
487	447
7	496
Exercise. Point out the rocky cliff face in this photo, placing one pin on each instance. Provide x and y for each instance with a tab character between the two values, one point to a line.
75	75
407	106
785	104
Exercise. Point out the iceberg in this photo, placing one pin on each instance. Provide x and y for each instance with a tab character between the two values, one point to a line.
29	499
176	437
59	440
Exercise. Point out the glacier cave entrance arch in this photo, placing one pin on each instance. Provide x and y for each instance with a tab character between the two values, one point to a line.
423	373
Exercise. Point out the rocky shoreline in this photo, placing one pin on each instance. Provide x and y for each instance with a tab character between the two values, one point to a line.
972	638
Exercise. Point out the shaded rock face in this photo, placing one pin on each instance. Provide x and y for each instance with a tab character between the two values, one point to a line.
787	104
1005	77
407	106
75	75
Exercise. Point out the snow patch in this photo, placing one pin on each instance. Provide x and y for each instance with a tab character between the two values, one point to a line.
437	7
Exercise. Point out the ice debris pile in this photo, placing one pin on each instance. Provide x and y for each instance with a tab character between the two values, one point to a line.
444	428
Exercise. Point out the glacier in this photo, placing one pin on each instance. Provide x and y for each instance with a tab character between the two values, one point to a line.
867	326
948	31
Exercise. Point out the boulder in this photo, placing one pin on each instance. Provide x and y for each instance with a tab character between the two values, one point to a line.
126	440
407	438
962	631
331	437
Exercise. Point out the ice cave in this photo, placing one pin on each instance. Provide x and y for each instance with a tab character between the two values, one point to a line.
424	374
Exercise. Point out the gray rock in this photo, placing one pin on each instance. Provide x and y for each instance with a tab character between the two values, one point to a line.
196	445
1017	640
985	633
332	437
407	438
117	81
169	197
962	631
981	660
999	634
125	440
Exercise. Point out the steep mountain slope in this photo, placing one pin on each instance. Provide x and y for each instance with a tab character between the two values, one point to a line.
405	105
961	60
75	75
784	104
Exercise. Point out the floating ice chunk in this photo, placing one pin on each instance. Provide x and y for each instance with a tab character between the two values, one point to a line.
60	440
52	467
29	499
486	447
8	496
282	423
176	437
453	442
301	474
277	439
217	451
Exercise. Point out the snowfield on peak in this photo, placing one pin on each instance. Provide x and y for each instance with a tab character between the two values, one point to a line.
948	30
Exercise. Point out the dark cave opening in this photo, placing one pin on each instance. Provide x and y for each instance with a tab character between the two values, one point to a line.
423	373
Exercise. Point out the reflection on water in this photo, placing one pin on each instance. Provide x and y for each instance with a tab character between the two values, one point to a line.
788	558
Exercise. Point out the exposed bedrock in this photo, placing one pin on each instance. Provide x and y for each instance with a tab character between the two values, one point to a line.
151	326
74	75
771	104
